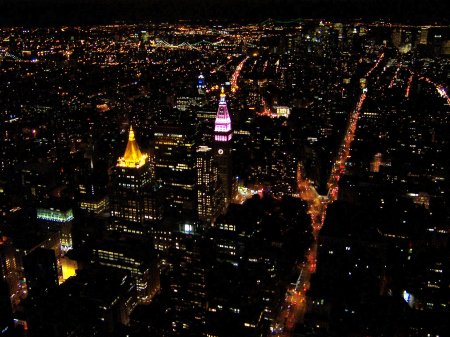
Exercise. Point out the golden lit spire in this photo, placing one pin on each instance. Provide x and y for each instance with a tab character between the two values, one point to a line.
131	134
133	156
222	95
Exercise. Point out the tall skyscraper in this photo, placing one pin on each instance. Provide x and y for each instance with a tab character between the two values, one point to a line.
135	210
8	268
175	165
91	182
222	147
187	283
133	198
209	193
201	87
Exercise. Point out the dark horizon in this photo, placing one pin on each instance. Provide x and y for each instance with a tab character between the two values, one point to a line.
73	12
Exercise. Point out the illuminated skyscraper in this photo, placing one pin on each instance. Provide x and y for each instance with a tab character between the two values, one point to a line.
201	85
187	283
423	39
222	148
209	192
175	165
134	212
133	198
8	268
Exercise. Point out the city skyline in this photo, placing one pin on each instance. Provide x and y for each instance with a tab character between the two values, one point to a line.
282	177
52	12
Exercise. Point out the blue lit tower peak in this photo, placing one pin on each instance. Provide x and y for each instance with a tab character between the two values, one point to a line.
201	84
222	146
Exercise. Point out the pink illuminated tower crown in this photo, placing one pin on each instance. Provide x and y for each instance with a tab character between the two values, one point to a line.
222	125
223	145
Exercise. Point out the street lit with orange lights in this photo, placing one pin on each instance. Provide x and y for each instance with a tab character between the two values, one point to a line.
293	309
408	87
439	88
236	74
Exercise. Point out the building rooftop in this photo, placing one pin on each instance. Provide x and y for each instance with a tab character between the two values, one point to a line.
133	157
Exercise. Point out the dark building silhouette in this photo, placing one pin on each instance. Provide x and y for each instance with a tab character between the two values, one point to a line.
41	273
97	301
6	318
133	255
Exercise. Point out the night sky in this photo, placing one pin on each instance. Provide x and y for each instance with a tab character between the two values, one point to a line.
48	12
